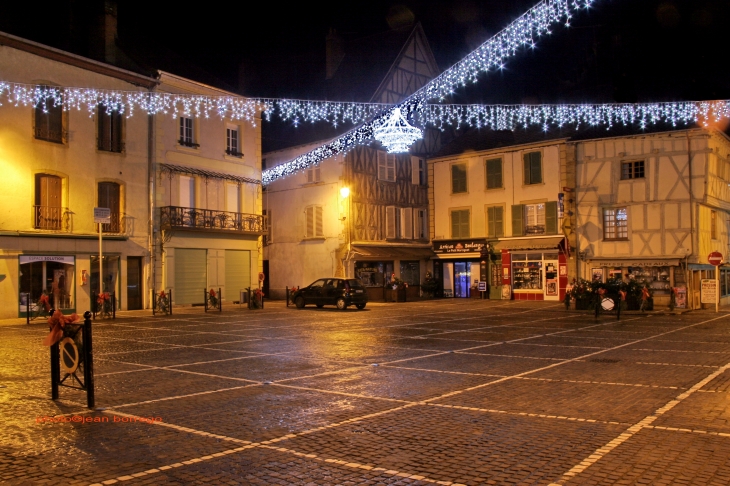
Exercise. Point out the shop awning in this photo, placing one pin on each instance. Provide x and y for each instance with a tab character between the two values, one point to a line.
529	244
634	262
181	169
391	252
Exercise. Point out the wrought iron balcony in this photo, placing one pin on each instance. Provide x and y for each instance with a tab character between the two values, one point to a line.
117	225
51	218
175	217
536	229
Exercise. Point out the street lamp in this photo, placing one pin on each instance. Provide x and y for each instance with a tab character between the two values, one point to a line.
344	192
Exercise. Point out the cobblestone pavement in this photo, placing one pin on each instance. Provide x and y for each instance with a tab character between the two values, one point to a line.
435	392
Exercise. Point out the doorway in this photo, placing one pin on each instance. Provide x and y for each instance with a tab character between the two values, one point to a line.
462	279
134	283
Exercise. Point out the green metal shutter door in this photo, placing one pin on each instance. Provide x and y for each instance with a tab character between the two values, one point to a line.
238	273
190	276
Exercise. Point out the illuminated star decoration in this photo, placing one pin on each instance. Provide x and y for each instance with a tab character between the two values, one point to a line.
396	134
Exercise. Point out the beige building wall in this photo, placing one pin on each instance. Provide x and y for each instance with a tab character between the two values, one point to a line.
81	166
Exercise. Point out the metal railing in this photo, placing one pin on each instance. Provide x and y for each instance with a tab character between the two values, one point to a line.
54	218
537	229
117	224
211	219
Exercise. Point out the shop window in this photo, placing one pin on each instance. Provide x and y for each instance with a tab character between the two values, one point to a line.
110	275
109	197
386	166
458	178
495	221
632	170
315	228
494	173
109	130
615	224
373	274
460	221
187	132
52	276
527	271
654	278
49	120
410	272
532	168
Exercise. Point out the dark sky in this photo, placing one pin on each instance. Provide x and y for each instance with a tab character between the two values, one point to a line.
621	50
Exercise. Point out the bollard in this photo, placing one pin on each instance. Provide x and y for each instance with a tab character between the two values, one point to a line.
220	300
287	296
88	361
27	308
114	305
154	301
55	368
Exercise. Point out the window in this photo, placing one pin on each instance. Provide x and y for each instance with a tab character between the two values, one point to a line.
713	224
460	223
495	221
186	196
420	225
232	143
186	132
535	219
615	224
313	216
418	171
313	175
109	198
47	211
533	167
110	130
632	170
458	178
494	173
49	120
386	166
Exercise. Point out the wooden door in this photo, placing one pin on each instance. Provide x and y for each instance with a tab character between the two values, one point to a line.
109	198
134	283
48	202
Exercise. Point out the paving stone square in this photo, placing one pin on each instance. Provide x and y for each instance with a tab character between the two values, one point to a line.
431	392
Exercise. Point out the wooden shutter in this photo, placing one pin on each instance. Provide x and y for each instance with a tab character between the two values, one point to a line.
533	167
390	227
491	231
518	228
494	173
407	223
551	217
310	175
382	175
458	178
310	222
415	174
498	221
319	223
391	167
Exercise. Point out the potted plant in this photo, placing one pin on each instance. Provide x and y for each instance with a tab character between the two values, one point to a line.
429	286
396	289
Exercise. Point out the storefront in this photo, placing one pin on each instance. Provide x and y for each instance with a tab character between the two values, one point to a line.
375	266
459	266
110	271
534	268
51	276
658	275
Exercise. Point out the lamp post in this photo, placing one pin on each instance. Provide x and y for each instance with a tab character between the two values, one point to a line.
345	195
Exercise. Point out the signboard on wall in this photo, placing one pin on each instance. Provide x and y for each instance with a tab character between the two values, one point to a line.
708	291
459	246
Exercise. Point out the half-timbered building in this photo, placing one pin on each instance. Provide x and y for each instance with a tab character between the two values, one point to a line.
365	214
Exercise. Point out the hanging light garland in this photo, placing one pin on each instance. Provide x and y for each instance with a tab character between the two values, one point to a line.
523	32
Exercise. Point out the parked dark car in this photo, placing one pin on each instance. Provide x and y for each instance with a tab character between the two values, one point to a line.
341	292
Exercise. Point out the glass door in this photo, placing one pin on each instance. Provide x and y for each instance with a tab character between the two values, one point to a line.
462	279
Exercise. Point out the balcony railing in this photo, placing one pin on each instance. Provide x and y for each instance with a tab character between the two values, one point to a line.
537	229
117	224
211	219
52	218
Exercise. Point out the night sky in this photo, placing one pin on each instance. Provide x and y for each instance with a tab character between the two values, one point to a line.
621	50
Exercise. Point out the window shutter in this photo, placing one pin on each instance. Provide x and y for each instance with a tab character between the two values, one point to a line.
491	231
310	176
551	217
381	166
518	228
526	169
407	222
318	217
390	222
536	168
498	221
310	222
494	173
317	174
391	167
415	174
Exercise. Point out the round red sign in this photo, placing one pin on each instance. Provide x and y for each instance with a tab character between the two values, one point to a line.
715	258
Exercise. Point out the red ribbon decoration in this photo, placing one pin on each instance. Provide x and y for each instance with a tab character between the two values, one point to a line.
57	322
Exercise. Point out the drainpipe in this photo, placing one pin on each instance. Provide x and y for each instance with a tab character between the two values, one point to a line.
151	201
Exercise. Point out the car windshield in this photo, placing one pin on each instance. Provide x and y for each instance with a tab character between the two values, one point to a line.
354	283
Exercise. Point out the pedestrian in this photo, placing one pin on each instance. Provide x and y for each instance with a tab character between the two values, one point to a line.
644	298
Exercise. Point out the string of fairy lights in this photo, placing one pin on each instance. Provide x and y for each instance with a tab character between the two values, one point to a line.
385	123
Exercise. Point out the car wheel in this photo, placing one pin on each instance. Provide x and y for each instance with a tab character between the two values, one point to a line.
299	302
360	306
341	304
319	306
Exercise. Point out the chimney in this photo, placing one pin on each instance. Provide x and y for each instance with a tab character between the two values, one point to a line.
335	52
104	37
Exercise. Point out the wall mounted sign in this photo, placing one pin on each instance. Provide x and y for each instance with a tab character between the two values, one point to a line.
459	246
